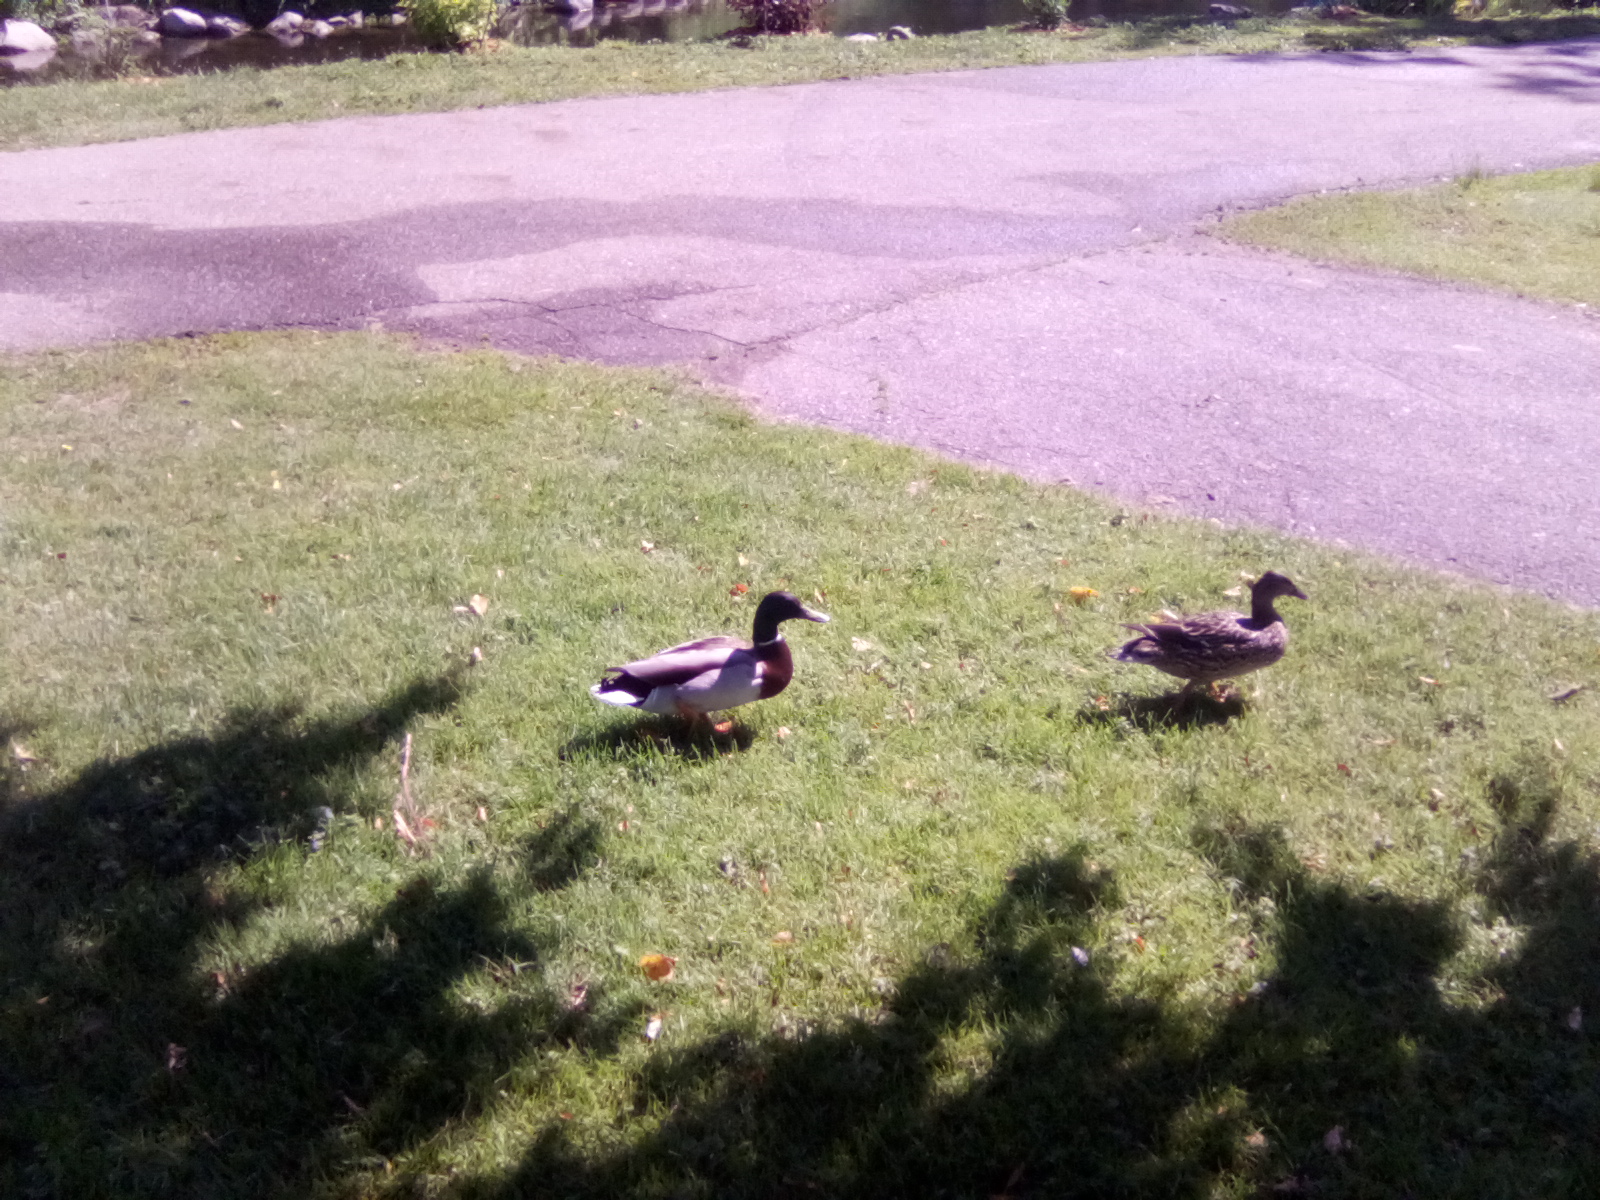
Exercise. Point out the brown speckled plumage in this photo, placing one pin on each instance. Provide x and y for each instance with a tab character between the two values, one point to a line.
1217	645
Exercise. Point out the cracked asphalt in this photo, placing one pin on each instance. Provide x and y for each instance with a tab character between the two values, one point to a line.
1006	266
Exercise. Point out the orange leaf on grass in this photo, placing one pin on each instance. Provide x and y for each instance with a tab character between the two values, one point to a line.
658	967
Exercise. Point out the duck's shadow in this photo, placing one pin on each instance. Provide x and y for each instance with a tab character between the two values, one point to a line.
692	740
1173	710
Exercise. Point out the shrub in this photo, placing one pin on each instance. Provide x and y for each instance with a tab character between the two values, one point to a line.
450	22
775	16
1047	14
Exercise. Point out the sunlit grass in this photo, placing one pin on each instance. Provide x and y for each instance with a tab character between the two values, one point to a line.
1537	233
967	904
75	112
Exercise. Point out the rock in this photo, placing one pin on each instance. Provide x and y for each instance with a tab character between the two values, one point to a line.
284	22
88	43
355	20
571	6
861	37
123	16
180	22
30	60
146	37
899	33
1229	10
339	22
317	29
222	26
24	37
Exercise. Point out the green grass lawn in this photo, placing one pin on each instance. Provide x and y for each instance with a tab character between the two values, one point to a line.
77	112
1537	233
970	910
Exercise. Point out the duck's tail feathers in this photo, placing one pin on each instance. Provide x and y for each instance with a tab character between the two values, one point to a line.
610	693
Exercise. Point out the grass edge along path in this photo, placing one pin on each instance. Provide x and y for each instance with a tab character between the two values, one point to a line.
1535	233
969	910
77	113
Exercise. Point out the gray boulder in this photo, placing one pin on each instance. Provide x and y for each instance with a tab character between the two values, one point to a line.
1229	10
125	16
284	23
181	22
221	26
899	33
24	37
317	29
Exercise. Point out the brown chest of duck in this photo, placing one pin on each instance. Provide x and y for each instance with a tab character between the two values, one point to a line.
712	674
1208	647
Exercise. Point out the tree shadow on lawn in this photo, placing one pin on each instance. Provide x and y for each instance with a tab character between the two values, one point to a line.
127	1074
1095	1092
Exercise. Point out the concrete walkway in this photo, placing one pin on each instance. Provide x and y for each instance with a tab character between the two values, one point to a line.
999	265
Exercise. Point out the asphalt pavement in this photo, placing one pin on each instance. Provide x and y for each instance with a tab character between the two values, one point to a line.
1007	266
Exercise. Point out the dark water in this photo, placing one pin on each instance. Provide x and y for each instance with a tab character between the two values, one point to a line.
532	24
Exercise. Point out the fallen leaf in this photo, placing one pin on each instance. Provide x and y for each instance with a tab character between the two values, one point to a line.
647	547
738	589
1256	1141
270	600
235	423
658	967
782	938
483	813
1138	943
1430	681
1566	694
1344	768
1080	956
652	1028
783	733
475	657
478	604
1333	1141
177	1057
744	562
860	645
21	754
1082	595
65	446
1233	591
1575	1018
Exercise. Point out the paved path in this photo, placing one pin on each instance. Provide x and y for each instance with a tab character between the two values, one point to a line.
999	265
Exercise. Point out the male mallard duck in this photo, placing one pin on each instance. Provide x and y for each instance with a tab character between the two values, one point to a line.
714	673
1217	645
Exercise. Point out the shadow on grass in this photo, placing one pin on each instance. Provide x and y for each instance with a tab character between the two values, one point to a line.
626	741
128	1072
1343	1073
1173	710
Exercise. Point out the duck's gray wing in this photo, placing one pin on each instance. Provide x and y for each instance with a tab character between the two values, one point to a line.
676	665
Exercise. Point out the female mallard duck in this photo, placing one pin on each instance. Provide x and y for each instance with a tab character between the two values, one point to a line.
1217	645
714	673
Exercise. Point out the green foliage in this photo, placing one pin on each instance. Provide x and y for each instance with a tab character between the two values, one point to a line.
775	16
446	23
1047	14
